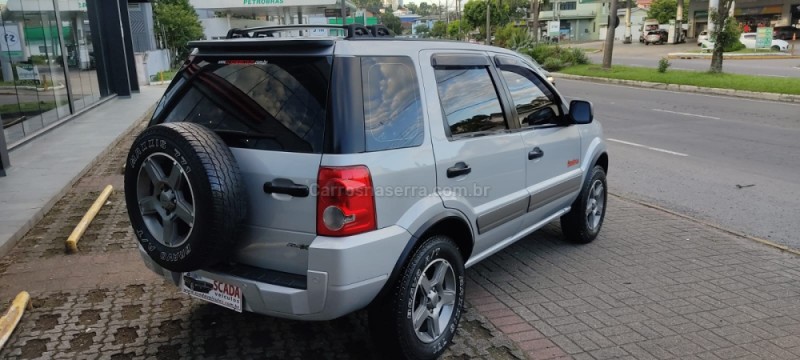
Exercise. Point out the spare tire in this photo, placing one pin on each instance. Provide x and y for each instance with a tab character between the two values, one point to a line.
184	195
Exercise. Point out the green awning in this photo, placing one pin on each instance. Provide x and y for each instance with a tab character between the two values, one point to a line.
37	33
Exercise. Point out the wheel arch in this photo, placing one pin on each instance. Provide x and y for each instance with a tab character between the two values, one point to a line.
451	223
602	160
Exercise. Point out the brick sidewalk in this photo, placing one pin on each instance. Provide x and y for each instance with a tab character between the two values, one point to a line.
653	285
102	303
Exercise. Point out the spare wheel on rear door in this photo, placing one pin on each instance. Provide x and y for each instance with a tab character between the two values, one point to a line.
184	195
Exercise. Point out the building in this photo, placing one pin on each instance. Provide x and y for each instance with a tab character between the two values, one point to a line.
579	20
753	12
638	16
59	58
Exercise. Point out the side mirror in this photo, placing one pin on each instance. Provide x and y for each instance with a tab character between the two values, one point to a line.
580	111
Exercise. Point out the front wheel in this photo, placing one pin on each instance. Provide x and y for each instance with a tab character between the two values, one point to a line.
420	319
583	222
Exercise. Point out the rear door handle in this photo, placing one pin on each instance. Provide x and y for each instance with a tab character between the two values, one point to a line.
460	168
285	186
535	153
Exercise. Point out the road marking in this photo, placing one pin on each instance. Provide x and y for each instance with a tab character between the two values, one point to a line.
647	147
686	114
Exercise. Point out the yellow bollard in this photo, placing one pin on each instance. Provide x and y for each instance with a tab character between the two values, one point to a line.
10	320
72	241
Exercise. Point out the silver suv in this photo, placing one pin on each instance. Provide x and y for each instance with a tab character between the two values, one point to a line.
310	177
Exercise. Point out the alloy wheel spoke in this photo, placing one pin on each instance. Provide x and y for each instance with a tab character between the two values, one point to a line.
434	325
448	297
154	171
425	284
149	205
420	315
598	191
438	275
184	211
168	231
175	176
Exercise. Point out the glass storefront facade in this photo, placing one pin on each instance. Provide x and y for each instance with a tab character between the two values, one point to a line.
47	61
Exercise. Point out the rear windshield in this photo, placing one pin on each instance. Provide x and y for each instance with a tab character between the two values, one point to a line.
267	103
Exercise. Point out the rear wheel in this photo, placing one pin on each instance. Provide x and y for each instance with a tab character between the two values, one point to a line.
184	195
776	48
422	315
583	222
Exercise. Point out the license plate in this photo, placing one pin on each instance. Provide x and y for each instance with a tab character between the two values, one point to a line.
215	292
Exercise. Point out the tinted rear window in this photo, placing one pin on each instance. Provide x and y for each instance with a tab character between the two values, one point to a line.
392	105
270	104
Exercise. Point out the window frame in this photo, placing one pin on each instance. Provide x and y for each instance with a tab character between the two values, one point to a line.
502	61
473	61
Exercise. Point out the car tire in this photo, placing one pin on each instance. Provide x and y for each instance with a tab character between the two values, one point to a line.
584	221
391	320
184	195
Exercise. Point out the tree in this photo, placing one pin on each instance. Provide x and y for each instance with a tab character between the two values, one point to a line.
722	33
475	15
665	10
439	29
424	9
412	7
456	30
176	23
535	6
422	30
392	22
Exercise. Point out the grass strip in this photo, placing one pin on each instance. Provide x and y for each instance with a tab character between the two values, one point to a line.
767	84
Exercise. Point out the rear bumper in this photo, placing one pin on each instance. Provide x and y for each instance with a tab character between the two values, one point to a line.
344	275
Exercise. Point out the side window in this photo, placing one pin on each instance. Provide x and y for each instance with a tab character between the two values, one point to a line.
469	100
535	103
392	105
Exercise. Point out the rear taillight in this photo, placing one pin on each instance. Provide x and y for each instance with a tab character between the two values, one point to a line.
345	201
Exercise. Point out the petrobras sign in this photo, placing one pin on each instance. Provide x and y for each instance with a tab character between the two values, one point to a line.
239	4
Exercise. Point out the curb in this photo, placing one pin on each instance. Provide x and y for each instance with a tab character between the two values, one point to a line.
735	233
730	56
688	88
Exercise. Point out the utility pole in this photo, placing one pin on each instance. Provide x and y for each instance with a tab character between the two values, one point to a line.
609	47
488	24
458	14
628	36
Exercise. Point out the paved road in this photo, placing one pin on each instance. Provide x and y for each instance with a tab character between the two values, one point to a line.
647	56
688	152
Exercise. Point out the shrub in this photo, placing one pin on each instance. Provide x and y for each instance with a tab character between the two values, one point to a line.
520	40
663	65
544	53
734	46
579	57
553	64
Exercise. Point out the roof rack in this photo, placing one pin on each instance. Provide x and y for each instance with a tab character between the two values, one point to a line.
354	31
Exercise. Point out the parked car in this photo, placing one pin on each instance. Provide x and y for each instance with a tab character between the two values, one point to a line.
647	26
749	41
702	37
657	37
310	177
785	32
